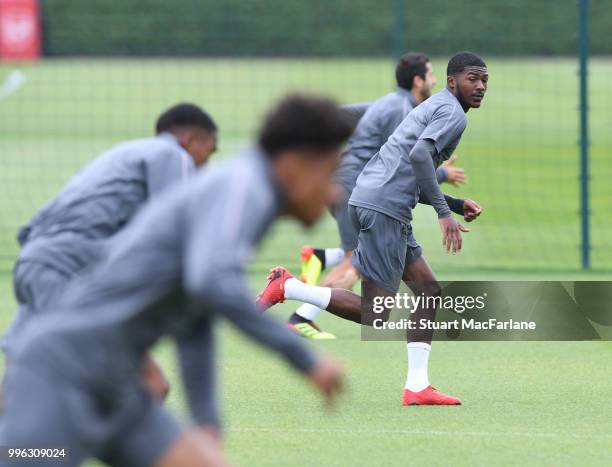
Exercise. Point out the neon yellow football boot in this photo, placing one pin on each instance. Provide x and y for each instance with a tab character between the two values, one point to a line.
312	264
310	330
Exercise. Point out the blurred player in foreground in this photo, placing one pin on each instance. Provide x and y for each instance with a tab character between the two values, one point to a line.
177	267
70	232
415	80
381	207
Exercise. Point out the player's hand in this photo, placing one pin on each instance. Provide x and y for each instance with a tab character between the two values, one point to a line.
471	210
451	234
328	378
454	175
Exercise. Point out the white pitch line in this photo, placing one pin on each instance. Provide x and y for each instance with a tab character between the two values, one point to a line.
15	80
454	434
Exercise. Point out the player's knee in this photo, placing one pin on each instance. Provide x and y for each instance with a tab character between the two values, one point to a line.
430	289
433	289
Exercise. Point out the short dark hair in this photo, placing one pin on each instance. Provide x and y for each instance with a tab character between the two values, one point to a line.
410	65
184	115
304	122
461	60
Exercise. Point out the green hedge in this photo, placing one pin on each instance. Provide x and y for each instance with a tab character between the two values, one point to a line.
316	27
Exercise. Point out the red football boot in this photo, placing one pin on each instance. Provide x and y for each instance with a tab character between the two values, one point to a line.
274	291
428	396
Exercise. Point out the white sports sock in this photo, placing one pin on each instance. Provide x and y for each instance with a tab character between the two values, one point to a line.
313	294
418	363
333	256
308	311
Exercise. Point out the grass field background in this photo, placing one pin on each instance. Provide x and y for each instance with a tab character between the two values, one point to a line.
520	149
524	403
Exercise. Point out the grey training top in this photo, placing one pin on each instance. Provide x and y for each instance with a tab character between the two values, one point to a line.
178	265
387	183
106	193
372	131
377	121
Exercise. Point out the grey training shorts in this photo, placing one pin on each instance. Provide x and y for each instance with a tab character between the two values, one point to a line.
385	247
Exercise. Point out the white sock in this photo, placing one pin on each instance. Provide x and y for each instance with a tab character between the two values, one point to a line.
313	294
333	256
308	311
418	362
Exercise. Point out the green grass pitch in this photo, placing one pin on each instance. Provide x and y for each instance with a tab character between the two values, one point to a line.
524	403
